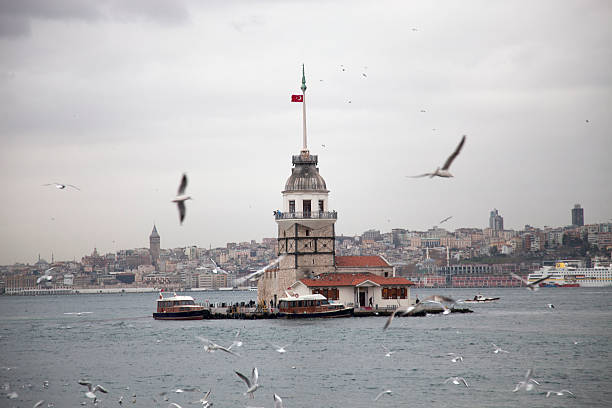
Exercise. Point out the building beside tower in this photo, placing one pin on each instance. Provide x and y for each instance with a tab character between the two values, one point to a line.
496	221
306	244
154	245
577	216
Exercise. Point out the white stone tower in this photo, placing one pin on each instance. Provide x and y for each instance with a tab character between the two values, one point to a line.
306	233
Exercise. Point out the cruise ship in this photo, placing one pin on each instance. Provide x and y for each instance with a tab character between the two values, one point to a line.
571	273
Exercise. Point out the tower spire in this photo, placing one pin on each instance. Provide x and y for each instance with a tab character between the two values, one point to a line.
304	144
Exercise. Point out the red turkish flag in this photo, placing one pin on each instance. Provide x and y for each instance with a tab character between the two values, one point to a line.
297	98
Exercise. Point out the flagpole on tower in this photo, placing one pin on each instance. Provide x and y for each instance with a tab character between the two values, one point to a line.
305	146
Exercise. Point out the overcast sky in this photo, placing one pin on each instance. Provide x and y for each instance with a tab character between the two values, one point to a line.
121	97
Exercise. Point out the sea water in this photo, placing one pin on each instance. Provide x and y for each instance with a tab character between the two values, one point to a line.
328	363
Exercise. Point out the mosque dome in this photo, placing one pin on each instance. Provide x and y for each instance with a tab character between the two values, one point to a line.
305	175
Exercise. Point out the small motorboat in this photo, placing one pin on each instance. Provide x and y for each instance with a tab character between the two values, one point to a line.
305	306
480	298
179	308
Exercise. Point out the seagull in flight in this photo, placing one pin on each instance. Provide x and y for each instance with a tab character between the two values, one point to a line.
550	305
560	392
389	392
527	383
181	197
456	357
77	313
204	400
446	219
61	186
211	346
46	276
250	383
91	389
533	286
443	172
456	381
498	349
389	352
279	349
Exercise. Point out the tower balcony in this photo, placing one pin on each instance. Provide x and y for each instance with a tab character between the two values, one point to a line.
311	215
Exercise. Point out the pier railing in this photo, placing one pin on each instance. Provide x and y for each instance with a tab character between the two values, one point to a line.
330	215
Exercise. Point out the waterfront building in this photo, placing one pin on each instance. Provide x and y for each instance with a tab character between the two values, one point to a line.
154	245
577	216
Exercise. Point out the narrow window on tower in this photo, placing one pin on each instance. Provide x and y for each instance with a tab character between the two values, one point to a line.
321	206
291	206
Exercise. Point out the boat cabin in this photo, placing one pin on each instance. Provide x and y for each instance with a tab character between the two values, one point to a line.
306	304
176	304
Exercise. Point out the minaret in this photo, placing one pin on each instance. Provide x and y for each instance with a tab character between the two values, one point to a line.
306	226
154	244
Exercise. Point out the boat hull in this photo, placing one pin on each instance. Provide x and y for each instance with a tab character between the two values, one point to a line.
191	315
481	300
345	312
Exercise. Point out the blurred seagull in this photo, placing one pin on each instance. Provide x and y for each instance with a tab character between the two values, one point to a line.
498	349
389	352
61	186
175	405
181	197
527	383
446	219
456	381
77	313
532	286
236	341
550	305
456	357
364	75
383	393
46	276
443	172
250	383
38	404
212	346
91	390
560	392
204	400
278	402
279	349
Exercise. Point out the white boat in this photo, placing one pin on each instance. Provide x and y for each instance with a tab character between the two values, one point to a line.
306	306
570	273
179	308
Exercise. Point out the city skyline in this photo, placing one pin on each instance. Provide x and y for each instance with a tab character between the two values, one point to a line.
120	101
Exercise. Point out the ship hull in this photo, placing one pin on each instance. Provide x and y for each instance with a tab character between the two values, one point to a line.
345	312
191	315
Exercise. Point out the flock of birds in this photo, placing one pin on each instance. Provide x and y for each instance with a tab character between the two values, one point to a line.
447	304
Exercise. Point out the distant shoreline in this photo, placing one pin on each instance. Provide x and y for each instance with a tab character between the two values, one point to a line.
94	291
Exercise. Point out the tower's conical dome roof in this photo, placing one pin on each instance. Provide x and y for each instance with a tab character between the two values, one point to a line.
154	233
305	175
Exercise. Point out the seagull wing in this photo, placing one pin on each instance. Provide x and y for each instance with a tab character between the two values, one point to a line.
278	402
450	159
255	375
390	319
205	397
515	276
463	381
183	185
227	350
73	186
174	404
440	299
421	175
100	388
181	208
446	219
244	378
538	281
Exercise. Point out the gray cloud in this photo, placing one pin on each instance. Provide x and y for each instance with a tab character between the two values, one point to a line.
16	16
